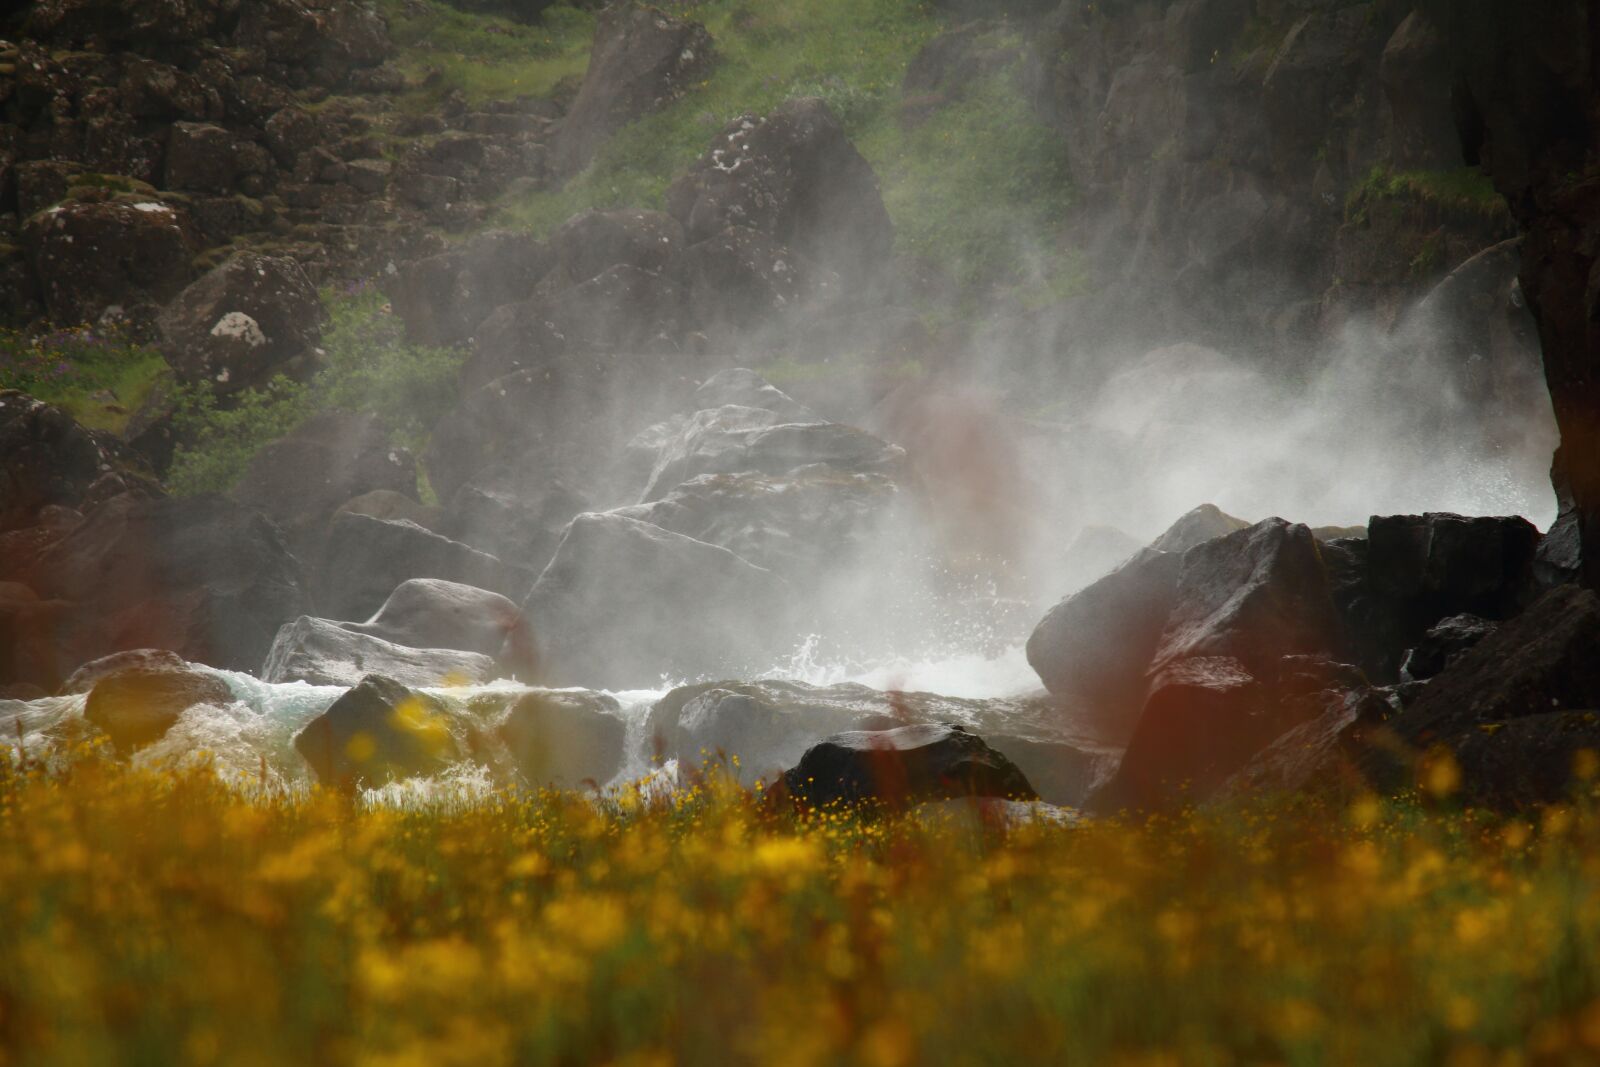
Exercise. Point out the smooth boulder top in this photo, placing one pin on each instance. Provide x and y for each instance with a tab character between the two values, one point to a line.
322	652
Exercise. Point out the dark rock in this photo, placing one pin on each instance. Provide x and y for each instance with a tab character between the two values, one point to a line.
301	479
624	603
431	613
244	322
1442	645
45	458
1415	75
565	738
1256	595
443	299
1545	660
43	183
1423	568
89	256
1208	716
365	559
641	60
321	652
1321	756
741	278
378	731
157	23
904	766
326	39
1529	762
137	705
592	241
795	177
201	576
1096	645
204	158
572	335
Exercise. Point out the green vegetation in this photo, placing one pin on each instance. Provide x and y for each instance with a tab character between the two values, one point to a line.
370	368
485	57
99	377
1464	191
158	917
977	189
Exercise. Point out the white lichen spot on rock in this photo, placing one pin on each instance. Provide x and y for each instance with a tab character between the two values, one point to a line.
240	327
151	208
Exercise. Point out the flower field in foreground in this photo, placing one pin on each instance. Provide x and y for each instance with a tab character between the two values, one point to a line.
166	919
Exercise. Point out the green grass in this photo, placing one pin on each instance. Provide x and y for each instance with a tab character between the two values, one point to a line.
1462	191
75	369
370	368
485	57
977	189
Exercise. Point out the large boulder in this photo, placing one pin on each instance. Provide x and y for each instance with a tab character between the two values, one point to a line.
1197	527
136	704
795	177
590	242
624	603
903	766
802	524
641	60
432	613
444	298
1545	660
1442	645
1529	762
1208	716
321	652
91	256
242	323
1256	595
734	439
301	479
515	513
203	158
46	459
1095	645
741	278
201	576
564	737
770	724
365	559
573	332
1420	569
378	731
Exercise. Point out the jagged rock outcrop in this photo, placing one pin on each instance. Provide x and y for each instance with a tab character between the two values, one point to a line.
321	652
365	559
433	613
794	176
642	58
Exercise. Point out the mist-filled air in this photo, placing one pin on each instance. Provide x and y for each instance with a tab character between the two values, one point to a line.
871	532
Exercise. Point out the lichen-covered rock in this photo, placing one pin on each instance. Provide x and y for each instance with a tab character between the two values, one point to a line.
90	256
642	59
243	323
795	177
321	652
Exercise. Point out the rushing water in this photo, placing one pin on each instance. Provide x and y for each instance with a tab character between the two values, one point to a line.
251	739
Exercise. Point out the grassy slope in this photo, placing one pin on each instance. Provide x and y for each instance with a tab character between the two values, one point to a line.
976	190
